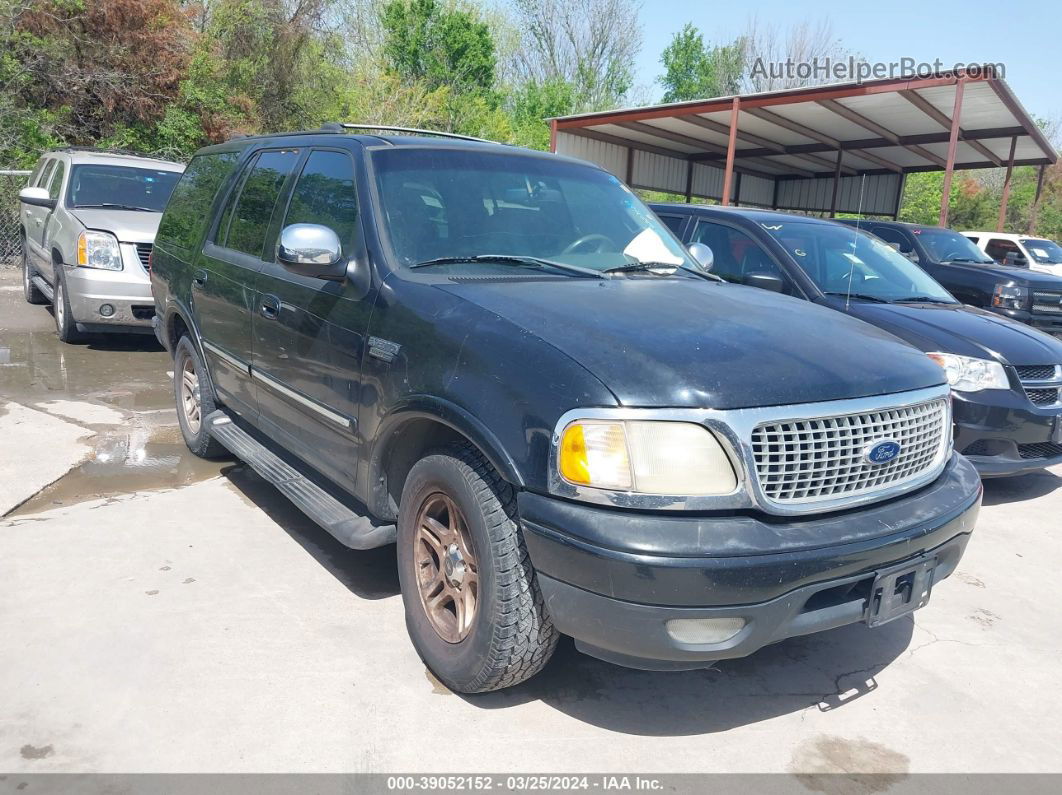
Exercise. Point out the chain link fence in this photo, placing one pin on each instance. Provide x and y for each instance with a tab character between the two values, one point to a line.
11	182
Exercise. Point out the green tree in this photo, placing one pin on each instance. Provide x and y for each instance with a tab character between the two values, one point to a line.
442	47
531	103
695	70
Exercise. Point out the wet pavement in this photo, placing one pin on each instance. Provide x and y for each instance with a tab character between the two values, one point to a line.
116	386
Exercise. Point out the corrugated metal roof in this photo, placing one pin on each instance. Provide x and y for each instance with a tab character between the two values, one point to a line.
882	128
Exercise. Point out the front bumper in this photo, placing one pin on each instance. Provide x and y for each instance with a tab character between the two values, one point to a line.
127	292
1003	434
612	579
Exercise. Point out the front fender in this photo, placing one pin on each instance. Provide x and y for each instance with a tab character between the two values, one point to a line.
431	407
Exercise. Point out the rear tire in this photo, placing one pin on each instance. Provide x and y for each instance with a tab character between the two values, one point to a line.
498	633
32	292
65	325
192	393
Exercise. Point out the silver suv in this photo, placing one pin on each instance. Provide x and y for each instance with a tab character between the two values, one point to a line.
89	218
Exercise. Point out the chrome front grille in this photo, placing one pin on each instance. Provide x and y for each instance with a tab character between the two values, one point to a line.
1042	383
1046	302
825	458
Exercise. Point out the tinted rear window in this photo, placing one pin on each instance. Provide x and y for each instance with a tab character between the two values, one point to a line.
189	208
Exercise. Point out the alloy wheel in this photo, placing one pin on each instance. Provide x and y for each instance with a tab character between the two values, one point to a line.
191	404
446	568
59	306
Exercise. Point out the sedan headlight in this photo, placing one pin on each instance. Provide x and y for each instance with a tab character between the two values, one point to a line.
1010	296
99	250
648	457
966	374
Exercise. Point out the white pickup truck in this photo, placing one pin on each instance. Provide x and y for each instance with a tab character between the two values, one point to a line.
1035	253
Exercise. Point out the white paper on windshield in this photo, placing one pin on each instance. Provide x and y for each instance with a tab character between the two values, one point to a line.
1039	253
648	247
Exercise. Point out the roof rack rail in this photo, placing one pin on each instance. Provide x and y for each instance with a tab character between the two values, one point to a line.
332	127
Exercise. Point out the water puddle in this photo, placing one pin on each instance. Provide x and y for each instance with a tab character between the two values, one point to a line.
123	462
118	386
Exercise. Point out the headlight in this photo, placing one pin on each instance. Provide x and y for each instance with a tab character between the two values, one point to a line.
99	250
648	457
966	374
1010	296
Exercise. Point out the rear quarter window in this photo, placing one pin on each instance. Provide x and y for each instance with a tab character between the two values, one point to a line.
188	211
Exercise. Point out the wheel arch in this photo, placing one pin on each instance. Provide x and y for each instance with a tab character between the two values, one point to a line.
177	321
417	427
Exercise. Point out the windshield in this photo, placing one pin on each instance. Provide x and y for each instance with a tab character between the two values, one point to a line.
1046	252
441	204
121	187
846	261
945	245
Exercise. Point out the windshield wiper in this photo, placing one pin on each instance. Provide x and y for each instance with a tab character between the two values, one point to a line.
972	261
860	296
920	299
513	259
111	206
659	268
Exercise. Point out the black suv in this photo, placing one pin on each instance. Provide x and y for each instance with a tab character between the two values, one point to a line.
1006	378
972	276
501	360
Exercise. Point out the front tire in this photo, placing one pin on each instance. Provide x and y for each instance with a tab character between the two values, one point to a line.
32	292
473	607
65	325
191	391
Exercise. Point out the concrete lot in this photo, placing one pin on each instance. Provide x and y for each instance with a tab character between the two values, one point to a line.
159	614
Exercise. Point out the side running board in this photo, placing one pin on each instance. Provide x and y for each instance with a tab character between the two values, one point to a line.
44	287
351	529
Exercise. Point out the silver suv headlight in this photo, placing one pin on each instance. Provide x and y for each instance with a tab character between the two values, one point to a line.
645	457
967	374
98	250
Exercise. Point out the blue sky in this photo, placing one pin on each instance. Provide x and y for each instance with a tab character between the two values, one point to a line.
1017	33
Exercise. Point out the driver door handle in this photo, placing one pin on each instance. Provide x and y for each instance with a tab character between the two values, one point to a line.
269	306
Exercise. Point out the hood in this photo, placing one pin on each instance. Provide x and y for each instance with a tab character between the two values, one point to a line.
964	330
1020	276
1050	268
129	226
688	343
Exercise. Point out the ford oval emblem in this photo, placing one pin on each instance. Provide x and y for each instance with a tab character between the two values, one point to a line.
882	451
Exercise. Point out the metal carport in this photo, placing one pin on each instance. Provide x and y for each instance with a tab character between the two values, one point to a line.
835	148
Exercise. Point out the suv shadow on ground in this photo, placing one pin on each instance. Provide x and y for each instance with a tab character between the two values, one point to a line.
98	341
821	672
824	671
369	574
1000	491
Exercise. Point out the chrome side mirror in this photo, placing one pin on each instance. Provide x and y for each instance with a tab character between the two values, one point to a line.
311	250
38	197
702	255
